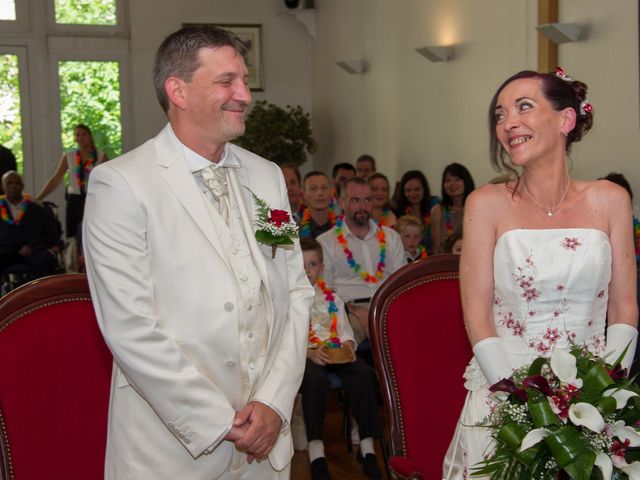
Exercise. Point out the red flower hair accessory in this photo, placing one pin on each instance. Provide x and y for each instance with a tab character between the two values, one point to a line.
563	76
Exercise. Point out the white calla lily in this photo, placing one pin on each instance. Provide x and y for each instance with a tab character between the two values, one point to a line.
603	462
632	470
586	415
623	432
563	365
621	396
534	437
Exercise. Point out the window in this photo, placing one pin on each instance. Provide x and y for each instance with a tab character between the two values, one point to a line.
10	111
85	12
7	10
90	94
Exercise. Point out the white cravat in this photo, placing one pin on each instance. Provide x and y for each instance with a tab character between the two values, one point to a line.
214	178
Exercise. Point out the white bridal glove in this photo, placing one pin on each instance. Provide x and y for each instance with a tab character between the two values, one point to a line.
619	335
493	360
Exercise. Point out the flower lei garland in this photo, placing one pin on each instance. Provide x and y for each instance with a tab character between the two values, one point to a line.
426	219
22	208
333	341
422	251
384	218
82	169
570	413
448	220
305	223
366	276
275	227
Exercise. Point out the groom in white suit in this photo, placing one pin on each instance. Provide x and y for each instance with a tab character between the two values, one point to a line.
207	328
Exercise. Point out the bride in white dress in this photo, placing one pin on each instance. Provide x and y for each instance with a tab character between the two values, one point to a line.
548	258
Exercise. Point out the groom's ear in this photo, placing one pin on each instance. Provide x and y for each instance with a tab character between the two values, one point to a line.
176	93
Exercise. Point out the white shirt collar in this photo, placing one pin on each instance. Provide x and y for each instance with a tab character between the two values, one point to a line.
197	162
373	228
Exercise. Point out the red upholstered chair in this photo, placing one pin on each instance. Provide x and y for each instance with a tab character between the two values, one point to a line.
421	350
55	375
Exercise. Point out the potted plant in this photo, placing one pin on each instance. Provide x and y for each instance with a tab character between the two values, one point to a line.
282	135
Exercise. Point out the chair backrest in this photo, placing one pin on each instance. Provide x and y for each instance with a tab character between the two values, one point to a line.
55	375
421	350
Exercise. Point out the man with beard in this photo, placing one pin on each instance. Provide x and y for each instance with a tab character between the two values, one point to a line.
207	325
358	254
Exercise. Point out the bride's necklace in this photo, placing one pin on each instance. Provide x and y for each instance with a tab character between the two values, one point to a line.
550	211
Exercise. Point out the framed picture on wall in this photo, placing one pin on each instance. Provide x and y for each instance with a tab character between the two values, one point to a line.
251	36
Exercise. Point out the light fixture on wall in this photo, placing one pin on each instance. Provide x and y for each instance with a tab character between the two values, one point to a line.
561	32
436	53
353	66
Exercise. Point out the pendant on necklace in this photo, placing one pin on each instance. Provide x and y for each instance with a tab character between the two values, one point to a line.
549	213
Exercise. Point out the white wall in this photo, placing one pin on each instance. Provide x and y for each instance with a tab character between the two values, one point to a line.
285	50
412	113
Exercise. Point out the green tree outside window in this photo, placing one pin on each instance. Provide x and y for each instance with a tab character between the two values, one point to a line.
86	12
90	94
10	117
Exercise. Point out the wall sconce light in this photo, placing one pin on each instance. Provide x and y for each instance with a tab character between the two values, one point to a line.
561	32
353	66
436	53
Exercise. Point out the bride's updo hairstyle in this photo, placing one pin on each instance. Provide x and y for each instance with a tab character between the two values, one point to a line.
562	92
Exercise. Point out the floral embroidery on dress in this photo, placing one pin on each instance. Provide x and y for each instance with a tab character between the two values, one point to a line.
600	294
571	243
525	280
597	344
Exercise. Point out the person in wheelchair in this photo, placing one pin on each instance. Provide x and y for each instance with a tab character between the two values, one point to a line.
29	232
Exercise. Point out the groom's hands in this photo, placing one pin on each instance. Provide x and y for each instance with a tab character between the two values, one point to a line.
258	426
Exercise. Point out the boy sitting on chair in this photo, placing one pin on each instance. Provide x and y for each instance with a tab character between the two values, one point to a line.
332	350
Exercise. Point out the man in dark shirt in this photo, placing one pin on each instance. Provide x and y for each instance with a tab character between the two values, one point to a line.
29	233
7	163
318	216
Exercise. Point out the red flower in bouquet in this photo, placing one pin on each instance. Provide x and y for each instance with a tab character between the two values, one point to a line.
279	217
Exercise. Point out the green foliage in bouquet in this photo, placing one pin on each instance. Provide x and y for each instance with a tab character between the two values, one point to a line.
570	416
281	135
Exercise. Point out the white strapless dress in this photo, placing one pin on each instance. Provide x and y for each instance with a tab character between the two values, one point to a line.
551	289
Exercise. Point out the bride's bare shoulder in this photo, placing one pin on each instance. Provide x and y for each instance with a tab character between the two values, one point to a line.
603	192
491	195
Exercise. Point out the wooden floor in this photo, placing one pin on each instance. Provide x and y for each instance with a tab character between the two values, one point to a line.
342	464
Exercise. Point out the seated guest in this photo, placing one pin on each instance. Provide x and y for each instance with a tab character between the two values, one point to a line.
410	230
318	215
446	217
453	243
29	233
365	166
293	180
381	212
340	174
358	254
329	331
414	198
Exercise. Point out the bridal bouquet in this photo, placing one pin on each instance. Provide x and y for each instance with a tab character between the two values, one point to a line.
570	416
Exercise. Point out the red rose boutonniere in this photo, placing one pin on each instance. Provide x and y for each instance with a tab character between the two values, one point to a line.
275	227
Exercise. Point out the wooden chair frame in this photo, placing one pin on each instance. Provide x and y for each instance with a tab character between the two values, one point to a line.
24	301
436	268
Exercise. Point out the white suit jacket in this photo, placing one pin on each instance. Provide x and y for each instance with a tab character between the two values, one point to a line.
166	302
